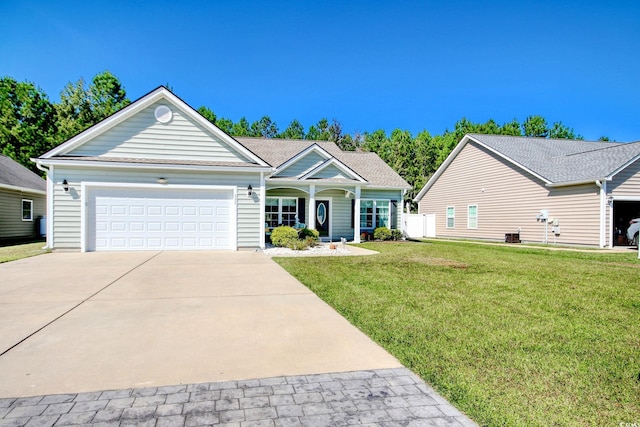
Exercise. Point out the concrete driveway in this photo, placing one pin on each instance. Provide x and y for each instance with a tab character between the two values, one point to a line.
73	322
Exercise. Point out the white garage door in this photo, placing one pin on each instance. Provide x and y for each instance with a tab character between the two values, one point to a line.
162	219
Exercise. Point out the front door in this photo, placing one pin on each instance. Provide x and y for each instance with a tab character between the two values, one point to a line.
322	217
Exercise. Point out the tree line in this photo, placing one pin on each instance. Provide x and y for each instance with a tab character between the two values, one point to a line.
31	125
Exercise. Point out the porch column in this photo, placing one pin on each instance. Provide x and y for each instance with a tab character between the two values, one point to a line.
356	217
311	222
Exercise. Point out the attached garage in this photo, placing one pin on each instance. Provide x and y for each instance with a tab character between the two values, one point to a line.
159	218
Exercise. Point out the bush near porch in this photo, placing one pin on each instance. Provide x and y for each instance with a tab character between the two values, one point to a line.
511	336
292	238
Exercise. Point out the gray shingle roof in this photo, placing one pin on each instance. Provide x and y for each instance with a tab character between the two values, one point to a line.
14	174
563	160
368	165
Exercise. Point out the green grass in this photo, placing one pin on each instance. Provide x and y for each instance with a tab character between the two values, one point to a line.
511	336
12	253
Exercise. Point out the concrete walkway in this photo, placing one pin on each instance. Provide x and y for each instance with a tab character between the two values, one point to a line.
152	327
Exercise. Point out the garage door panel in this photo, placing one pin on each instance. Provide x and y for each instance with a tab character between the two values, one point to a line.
205	211
171	220
189	226
135	226
136	211
118	210
154	210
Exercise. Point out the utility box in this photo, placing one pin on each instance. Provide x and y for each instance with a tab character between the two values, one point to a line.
512	238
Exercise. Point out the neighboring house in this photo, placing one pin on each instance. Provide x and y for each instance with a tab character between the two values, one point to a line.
492	185
158	175
22	201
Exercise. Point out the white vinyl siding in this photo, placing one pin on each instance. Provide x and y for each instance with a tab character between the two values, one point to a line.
472	216
510	199
11	222
27	210
142	136
451	217
66	233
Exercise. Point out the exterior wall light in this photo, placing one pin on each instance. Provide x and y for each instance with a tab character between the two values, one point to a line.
249	190
161	180
65	185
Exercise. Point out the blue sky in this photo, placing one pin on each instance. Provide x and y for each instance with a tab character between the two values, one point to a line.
411	65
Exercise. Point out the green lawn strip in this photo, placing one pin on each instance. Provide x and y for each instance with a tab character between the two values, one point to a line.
12	253
511	336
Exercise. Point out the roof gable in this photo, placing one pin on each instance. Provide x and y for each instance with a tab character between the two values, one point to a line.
306	160
365	167
14	176
157	126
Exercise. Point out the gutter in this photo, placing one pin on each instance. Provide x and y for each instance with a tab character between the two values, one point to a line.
598	182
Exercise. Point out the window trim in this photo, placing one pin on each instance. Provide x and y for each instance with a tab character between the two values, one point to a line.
280	199
374	219
453	216
22	210
469	217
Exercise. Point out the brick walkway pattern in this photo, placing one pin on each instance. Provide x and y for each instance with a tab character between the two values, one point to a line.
387	397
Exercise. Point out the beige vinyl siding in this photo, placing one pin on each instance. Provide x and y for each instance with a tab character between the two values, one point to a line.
509	198
627	182
11	223
67	205
142	136
311	160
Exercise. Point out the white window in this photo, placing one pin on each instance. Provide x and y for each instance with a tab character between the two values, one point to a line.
27	210
472	216
280	211
375	213
451	217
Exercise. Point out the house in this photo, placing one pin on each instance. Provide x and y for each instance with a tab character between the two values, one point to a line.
545	190
22	202
157	175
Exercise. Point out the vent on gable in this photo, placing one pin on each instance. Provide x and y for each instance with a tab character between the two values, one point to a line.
163	114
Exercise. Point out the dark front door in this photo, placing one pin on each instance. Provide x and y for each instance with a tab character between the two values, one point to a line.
322	217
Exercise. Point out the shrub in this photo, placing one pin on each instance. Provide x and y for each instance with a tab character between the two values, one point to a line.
396	234
309	233
298	245
283	235
382	233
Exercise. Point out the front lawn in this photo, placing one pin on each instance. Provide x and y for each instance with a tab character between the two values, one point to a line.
12	253
511	336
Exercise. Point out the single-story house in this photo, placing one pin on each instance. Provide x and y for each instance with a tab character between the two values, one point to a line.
158	175
545	190
22	201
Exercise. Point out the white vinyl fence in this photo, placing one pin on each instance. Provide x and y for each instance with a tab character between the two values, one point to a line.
421	225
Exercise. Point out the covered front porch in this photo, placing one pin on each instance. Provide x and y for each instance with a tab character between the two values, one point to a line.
336	211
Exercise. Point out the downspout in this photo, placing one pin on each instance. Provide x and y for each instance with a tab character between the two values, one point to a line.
49	210
603	200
